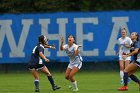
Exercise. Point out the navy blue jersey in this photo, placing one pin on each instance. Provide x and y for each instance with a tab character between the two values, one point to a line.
135	45
36	61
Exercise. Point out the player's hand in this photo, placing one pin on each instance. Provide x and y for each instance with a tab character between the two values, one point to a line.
53	46
127	45
124	56
47	60
62	40
79	46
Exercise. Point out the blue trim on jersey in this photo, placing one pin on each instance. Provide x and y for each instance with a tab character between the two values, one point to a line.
80	58
79	65
137	63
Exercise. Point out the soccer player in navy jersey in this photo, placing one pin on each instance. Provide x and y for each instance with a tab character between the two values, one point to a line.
37	62
132	67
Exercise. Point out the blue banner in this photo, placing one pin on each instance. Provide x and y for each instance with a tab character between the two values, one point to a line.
97	32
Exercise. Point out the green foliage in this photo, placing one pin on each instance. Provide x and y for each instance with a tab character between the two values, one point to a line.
33	6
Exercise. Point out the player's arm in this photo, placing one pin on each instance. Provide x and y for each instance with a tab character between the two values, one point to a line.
118	43
62	42
128	45
136	50
49	46
118	50
43	56
77	50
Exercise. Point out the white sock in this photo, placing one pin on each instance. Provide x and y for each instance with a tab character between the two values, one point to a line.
74	84
121	74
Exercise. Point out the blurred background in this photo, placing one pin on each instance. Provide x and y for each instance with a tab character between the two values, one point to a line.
22	21
45	6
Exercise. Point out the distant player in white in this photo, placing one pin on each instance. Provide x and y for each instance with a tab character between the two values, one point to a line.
124	48
75	64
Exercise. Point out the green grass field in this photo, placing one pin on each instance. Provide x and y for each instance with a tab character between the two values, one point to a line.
88	82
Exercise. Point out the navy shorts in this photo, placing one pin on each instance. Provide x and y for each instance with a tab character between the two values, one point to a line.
137	63
35	66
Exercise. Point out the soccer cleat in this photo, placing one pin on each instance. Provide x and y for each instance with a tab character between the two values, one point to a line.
123	88
56	87
75	89
36	90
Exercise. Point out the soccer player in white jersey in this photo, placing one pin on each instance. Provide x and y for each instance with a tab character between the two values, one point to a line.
75	64
124	48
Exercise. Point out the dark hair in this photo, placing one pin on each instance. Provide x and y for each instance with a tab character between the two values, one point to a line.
42	39
137	36
73	37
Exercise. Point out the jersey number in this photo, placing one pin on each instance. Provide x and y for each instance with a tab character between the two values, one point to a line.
40	61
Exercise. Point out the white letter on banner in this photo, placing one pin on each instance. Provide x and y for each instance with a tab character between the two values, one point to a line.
81	36
119	23
62	29
5	30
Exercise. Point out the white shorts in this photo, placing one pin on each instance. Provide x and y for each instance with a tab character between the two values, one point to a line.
78	65
125	59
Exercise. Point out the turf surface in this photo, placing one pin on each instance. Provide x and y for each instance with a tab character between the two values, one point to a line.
88	82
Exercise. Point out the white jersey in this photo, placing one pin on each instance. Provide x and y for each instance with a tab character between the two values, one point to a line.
124	49
70	52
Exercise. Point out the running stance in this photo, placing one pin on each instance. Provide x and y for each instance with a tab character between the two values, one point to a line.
37	63
124	47
132	67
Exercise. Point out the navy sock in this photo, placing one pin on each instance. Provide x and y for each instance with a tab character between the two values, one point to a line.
125	78
51	80
135	79
36	82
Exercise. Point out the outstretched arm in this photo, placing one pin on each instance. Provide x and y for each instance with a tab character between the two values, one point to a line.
50	46
77	50
118	50
131	53
127	46
62	42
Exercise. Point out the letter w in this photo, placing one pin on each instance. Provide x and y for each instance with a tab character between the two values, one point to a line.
5	30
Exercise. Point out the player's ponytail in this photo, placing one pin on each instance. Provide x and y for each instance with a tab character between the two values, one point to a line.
137	36
42	39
